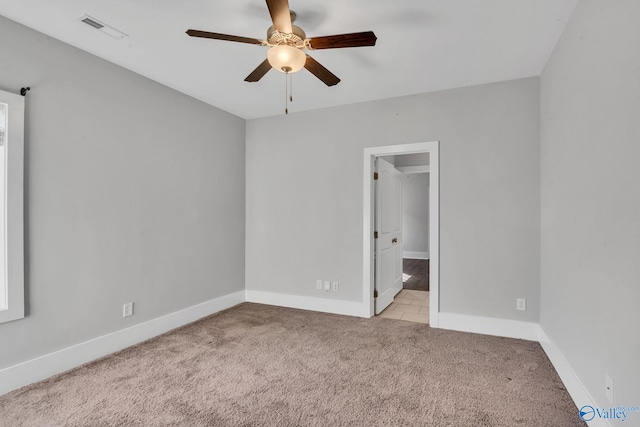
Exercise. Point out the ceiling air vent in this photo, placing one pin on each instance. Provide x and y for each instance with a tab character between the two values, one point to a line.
101	26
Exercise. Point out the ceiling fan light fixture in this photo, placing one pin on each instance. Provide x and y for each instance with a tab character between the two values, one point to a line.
286	59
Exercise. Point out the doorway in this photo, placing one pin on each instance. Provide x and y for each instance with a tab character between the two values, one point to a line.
415	219
429	149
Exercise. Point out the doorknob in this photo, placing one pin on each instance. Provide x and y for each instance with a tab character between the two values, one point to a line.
394	240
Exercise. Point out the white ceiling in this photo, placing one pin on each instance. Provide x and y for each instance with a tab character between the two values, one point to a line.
423	45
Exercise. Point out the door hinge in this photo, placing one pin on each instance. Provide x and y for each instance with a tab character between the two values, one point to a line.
375	293
375	176
375	234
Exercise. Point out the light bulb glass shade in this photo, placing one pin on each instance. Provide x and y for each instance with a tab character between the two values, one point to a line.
286	58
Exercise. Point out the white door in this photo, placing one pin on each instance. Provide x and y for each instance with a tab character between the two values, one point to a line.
388	244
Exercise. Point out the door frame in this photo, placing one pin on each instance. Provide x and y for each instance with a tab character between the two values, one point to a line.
370	153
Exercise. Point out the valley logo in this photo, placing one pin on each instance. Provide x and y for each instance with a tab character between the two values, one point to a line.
588	412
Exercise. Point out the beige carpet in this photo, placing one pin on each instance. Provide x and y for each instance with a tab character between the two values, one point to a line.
256	365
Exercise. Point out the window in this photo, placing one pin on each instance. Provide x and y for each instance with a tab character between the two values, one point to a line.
3	129
11	207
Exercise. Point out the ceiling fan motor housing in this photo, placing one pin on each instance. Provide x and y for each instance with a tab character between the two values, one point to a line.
296	38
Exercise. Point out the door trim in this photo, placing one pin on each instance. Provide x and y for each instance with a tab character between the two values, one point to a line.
432	148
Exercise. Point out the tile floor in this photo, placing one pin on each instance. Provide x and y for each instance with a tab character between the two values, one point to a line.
409	305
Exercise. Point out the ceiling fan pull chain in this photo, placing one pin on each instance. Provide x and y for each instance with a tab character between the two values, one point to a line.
286	95
290	87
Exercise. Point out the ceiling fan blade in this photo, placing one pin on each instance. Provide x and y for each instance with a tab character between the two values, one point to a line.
280	15
366	38
227	37
320	72
259	72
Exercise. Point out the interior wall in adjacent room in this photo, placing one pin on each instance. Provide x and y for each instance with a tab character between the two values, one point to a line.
415	213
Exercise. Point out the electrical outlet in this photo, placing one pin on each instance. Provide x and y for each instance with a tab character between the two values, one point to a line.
334	286
327	285
608	387
127	309
319	285
521	304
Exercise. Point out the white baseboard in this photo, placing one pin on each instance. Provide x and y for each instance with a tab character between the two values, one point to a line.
42	367
574	386
415	255
325	305
489	326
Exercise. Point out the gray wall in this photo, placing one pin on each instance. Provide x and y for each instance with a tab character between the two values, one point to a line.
134	192
590	146
415	212
304	194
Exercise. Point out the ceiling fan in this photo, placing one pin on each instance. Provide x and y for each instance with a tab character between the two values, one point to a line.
287	43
